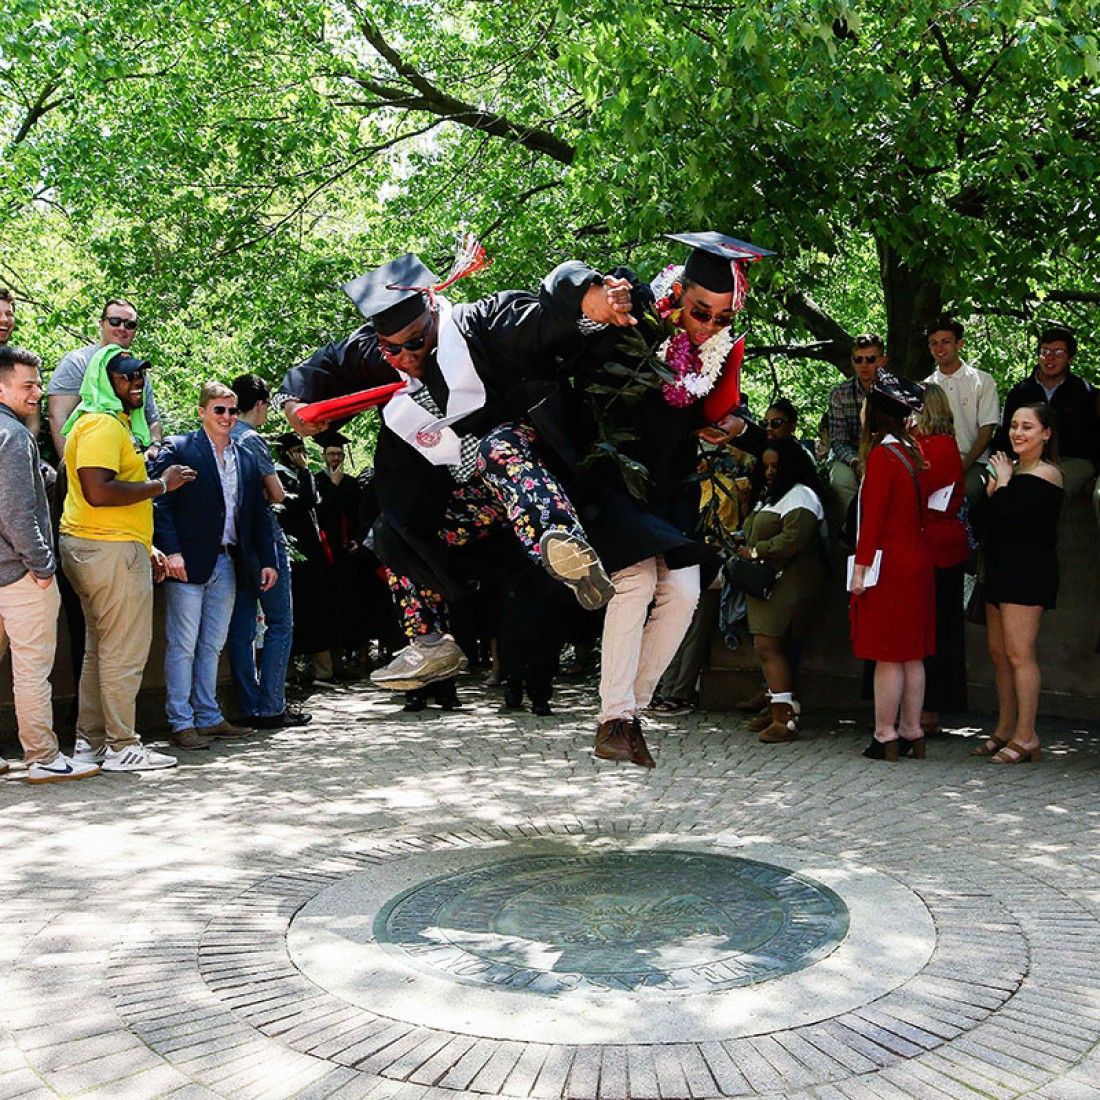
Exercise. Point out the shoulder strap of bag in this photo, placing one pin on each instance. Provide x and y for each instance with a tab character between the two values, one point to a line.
907	462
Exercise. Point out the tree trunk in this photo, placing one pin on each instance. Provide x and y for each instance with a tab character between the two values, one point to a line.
912	300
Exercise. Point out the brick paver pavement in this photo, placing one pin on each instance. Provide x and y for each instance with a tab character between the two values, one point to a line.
144	918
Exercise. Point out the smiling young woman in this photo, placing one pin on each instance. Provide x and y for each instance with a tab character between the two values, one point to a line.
1020	559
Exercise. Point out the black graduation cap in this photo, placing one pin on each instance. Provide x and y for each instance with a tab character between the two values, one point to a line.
127	364
330	437
288	441
712	256
896	396
393	295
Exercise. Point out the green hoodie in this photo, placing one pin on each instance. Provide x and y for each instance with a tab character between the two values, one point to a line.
97	395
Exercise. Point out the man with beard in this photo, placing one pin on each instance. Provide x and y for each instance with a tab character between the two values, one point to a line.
107	552
29	602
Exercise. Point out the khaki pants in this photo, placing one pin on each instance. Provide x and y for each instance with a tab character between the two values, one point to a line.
845	486
114	581
28	622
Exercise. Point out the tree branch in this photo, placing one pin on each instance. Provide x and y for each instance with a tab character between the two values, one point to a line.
827	351
825	328
957	75
520	199
37	109
439	103
1088	297
347	167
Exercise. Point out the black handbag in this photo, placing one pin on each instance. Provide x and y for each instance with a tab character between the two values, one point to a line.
754	577
975	606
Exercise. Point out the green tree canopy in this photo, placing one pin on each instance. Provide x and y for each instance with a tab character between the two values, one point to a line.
226	165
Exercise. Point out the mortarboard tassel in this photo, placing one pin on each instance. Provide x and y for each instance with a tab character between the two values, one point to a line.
469	258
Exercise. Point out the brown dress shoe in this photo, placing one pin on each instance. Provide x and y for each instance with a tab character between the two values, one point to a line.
640	754
224	729
189	739
613	740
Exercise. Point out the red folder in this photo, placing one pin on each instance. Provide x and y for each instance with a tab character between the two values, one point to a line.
340	408
726	395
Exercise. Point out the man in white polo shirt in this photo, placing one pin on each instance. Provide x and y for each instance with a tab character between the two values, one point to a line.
972	395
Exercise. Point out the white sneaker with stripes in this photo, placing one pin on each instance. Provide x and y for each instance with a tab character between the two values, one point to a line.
83	753
137	758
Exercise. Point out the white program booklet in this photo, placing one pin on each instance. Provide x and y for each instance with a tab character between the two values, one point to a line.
941	498
870	578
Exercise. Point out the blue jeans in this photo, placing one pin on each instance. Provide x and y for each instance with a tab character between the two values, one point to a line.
197	623
262	691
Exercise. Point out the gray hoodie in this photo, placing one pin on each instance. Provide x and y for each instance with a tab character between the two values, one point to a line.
25	542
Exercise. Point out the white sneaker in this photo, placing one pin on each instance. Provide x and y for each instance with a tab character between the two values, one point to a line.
60	770
137	758
421	663
83	753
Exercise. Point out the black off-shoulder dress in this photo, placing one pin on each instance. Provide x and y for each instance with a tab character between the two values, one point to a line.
1020	547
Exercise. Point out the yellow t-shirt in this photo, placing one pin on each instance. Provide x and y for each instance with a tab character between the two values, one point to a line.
99	439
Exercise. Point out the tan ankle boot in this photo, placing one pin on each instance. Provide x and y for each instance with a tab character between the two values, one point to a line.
783	725
761	720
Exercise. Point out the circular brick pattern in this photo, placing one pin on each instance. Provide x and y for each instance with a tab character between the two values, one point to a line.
624	921
167	964
857	955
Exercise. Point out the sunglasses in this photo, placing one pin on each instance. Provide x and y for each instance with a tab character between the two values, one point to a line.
704	317
121	322
864	358
415	344
225	410
776	422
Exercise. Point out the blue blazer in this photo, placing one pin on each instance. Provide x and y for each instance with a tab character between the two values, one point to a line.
190	520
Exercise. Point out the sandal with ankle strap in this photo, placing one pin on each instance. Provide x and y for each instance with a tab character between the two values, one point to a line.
992	746
1023	756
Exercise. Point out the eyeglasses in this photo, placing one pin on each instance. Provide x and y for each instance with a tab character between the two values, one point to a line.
705	317
415	344
865	358
776	422
225	410
121	322
1053	353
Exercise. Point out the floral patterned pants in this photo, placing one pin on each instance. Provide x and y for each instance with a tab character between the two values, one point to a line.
511	489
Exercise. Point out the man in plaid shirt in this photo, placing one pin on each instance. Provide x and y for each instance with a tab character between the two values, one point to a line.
845	401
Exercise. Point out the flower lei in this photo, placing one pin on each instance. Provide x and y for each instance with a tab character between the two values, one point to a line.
697	369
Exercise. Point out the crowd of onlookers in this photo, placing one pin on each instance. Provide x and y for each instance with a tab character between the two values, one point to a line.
925	483
270	559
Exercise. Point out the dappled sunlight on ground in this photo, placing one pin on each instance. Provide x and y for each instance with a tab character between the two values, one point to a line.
146	916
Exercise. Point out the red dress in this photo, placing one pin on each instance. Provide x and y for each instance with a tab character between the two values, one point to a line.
896	619
946	533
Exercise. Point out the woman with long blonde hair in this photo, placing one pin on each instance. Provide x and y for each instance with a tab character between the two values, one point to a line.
945	670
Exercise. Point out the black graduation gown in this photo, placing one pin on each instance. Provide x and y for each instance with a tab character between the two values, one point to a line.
297	515
514	340
624	529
